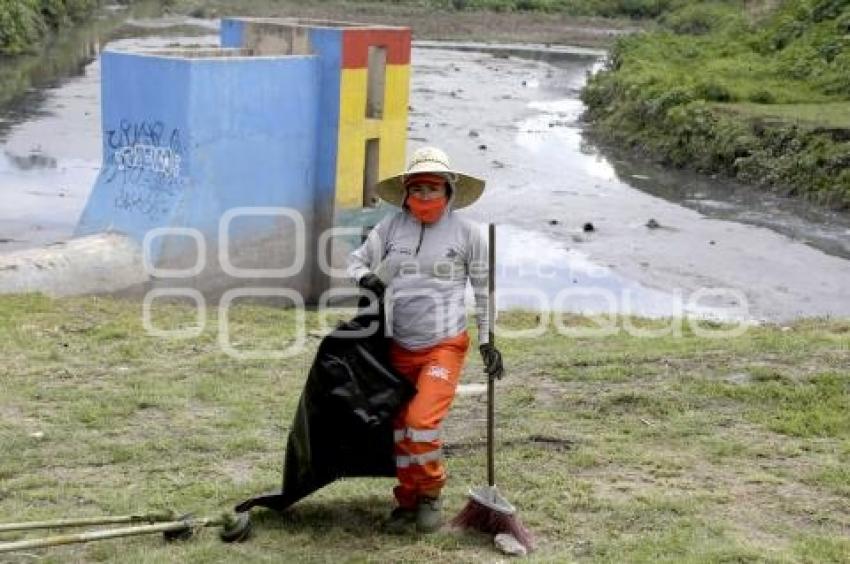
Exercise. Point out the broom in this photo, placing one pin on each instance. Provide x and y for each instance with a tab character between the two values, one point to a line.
487	510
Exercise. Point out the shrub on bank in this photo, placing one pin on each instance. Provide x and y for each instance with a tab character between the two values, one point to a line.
24	22
20	25
702	18
677	95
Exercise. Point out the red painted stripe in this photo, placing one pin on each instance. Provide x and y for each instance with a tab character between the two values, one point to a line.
356	42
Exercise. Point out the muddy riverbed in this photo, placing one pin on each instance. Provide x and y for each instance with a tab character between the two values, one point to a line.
580	229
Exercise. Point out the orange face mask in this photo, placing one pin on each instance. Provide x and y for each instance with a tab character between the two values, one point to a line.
427	211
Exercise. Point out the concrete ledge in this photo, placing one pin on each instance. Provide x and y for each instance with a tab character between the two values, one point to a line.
103	263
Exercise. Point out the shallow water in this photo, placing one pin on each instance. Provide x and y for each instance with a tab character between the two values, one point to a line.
515	121
823	229
50	150
558	279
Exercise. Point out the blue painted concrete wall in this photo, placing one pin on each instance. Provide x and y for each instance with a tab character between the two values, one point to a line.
254	135
146	172
232	33
187	139
327	43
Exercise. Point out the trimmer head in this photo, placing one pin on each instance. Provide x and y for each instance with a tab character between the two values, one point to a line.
236	528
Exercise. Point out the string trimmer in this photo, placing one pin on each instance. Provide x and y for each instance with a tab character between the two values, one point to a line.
234	528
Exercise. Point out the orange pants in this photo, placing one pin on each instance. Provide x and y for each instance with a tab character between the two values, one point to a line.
435	372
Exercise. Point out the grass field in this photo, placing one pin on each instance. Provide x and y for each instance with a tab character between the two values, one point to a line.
827	115
675	449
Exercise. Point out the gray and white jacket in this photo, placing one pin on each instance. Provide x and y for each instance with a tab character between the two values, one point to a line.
426	268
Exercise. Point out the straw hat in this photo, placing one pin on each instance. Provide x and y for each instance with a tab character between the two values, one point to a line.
466	189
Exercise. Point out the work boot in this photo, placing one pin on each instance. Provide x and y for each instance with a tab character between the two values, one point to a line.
400	520
429	514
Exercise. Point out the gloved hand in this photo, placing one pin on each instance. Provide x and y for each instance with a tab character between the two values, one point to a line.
373	283
492	361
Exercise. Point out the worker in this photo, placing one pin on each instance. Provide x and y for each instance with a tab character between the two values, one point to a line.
419	260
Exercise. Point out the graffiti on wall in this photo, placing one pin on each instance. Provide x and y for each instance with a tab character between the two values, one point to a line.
145	160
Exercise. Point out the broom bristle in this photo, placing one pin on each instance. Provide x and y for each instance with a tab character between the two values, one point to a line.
482	518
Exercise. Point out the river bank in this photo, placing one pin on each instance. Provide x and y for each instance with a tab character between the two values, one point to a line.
764	99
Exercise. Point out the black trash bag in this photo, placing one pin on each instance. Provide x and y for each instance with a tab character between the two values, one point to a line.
343	425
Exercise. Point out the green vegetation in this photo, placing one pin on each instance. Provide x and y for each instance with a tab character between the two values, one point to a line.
672	448
23	23
635	9
760	95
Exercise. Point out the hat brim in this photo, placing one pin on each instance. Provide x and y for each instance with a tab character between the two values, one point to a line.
467	189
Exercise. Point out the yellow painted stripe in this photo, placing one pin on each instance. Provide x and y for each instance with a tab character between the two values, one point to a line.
355	129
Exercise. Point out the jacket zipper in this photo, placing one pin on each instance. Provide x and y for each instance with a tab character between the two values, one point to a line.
421	235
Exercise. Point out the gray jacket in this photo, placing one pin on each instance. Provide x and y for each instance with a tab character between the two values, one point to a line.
426	268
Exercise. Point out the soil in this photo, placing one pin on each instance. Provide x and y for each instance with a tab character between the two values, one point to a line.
471	25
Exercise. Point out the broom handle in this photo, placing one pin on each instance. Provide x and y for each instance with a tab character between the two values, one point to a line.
491	383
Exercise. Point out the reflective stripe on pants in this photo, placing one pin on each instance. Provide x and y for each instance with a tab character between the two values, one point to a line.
406	460
416	435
